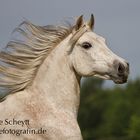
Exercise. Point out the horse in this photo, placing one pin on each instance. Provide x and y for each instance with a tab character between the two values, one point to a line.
40	78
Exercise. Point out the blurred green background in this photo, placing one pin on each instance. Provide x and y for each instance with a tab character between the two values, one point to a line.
110	114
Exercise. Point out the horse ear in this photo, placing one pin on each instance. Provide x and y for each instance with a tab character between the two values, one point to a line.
79	23
91	22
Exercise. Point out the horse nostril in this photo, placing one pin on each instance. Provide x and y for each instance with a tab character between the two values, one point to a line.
121	68
127	64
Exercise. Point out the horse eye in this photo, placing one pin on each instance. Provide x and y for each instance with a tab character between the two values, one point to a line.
86	45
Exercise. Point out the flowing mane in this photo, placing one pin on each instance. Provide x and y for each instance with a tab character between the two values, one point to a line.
20	60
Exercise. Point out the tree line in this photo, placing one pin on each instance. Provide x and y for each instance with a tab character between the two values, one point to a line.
110	114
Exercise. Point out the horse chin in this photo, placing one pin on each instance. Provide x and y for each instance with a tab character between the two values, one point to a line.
105	76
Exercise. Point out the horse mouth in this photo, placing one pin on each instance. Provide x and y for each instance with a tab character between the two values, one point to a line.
120	80
117	79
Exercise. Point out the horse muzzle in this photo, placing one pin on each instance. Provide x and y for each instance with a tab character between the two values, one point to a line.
121	73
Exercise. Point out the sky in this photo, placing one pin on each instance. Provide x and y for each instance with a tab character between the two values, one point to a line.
118	21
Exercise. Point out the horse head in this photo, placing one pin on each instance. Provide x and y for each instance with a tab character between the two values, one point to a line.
91	56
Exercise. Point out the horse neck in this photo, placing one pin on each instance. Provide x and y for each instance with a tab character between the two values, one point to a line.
57	82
